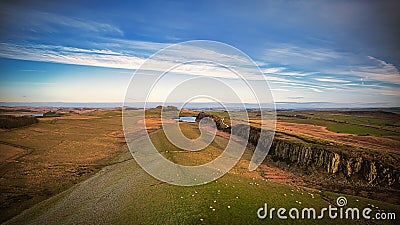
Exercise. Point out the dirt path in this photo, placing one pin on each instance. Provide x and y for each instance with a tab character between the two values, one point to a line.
371	142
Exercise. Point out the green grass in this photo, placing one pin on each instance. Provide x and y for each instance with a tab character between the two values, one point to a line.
355	129
341	127
183	157
351	124
242	193
371	122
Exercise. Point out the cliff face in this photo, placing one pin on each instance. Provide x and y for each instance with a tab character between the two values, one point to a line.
304	155
331	159
219	121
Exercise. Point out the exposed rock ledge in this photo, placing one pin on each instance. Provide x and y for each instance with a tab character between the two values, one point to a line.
332	159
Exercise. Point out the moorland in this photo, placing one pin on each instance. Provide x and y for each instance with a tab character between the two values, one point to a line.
75	167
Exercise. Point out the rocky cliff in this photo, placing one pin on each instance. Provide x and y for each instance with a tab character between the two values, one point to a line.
219	121
352	162
334	161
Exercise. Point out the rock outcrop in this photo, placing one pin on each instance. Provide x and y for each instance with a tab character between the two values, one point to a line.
219	121
332	159
352	165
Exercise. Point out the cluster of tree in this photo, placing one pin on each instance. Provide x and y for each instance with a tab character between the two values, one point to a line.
8	121
51	114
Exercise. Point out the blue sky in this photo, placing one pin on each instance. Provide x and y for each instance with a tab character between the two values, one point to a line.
310	51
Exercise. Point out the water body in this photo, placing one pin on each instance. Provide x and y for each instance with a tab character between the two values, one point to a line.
190	119
35	115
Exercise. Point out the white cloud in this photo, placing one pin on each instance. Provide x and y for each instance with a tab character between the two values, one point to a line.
169	59
281	76
79	24
378	70
130	45
299	84
288	54
275	78
80	50
315	90
296	73
68	55
273	70
346	71
330	79
329	61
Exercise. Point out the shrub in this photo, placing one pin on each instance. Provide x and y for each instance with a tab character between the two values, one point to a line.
8	122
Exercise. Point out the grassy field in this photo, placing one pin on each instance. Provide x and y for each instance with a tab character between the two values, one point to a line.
43	159
376	124
124	194
342	127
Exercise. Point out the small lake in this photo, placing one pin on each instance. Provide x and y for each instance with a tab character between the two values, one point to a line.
190	119
34	114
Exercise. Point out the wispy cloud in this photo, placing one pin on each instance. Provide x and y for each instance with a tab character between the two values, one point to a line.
130	45
40	21
315	90
77	23
68	55
277	79
378	70
295	97
168	60
286	52
273	70
81	50
280	76
324	70
330	79
295	73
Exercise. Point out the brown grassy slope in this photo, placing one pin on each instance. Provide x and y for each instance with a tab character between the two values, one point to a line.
45	158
